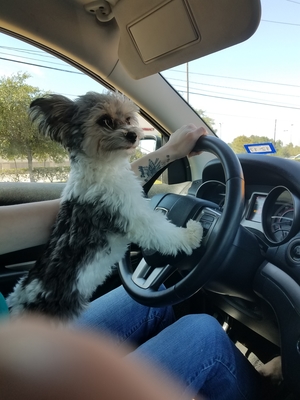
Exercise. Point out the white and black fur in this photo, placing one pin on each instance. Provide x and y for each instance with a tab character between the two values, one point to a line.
102	206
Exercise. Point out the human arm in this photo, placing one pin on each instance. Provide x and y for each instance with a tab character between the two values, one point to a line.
26	225
40	361
180	144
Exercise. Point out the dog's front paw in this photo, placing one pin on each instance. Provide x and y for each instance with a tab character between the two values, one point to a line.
194	233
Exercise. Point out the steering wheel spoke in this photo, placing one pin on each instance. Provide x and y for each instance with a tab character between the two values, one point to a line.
147	277
208	218
220	229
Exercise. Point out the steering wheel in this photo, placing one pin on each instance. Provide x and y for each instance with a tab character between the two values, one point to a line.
220	228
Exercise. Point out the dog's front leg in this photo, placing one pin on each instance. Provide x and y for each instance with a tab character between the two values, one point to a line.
151	230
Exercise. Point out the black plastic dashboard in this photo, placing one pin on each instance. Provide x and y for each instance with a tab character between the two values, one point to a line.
272	215
272	204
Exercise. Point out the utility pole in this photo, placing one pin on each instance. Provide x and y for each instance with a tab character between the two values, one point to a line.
275	128
187	83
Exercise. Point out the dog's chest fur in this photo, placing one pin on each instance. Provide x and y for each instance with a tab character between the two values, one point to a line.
89	237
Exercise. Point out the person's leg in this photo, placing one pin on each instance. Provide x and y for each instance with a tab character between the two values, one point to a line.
117	314
197	351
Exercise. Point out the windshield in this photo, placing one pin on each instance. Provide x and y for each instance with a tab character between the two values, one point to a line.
250	93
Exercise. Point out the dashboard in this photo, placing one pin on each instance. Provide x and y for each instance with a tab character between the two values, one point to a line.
274	214
266	260
272	195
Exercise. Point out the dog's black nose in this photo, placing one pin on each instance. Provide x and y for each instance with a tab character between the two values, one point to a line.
131	137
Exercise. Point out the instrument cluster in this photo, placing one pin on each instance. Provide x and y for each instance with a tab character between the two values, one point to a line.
278	212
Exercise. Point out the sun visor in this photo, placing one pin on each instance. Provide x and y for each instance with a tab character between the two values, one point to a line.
159	34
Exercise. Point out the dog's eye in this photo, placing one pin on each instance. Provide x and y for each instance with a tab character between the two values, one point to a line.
106	121
128	120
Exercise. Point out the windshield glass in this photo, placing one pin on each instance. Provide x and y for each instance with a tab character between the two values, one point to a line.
250	93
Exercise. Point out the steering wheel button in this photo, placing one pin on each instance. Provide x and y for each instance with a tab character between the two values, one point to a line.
296	252
293	253
206	217
206	225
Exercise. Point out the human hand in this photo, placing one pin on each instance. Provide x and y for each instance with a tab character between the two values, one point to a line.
181	144
182	141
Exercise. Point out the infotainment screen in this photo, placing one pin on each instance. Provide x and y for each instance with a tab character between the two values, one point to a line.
256	205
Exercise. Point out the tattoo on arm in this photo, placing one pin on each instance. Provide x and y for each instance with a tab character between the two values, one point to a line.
146	172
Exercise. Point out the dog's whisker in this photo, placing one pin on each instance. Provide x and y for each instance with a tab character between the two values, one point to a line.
106	123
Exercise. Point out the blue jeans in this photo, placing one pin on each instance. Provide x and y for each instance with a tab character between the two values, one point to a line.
195	349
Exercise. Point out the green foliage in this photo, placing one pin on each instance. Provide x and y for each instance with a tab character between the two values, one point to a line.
238	143
19	139
138	154
286	151
51	174
47	174
289	151
209	121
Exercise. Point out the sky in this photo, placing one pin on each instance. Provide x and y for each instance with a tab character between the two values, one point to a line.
252	88
263	69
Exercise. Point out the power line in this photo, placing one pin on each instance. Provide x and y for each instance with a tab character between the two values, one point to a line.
235	78
30	51
232	88
179	71
211	113
200	90
241	98
30	58
199	94
243	101
42	66
281	23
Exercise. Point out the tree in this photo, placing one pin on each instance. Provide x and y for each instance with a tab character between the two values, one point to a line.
286	151
238	143
289	151
18	137
138	154
209	121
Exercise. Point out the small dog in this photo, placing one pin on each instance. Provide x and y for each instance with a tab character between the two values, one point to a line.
102	206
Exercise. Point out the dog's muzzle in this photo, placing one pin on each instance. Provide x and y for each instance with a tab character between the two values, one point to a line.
131	137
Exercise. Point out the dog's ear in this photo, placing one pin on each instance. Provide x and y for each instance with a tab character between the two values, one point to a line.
54	115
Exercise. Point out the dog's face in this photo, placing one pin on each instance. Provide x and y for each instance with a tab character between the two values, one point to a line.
93	124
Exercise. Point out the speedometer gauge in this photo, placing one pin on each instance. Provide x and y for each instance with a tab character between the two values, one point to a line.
280	215
282	222
213	191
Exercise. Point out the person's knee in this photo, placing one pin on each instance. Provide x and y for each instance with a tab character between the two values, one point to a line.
200	321
202	325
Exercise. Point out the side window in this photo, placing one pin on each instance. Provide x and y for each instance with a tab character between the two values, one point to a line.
27	73
151	142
